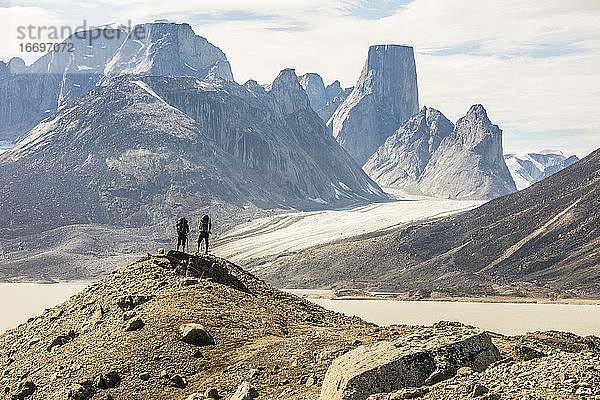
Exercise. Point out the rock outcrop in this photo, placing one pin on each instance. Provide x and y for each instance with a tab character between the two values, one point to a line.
469	163
529	168
432	355
384	97
30	94
401	160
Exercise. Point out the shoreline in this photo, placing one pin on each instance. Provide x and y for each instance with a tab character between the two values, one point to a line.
452	299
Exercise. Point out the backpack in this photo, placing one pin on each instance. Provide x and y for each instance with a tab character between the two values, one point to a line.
204	223
181	227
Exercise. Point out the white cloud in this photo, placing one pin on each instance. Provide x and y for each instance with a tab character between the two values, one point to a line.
497	51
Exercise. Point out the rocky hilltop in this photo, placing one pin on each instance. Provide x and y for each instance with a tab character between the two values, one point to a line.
186	327
429	155
30	94
515	245
324	100
527	169
384	97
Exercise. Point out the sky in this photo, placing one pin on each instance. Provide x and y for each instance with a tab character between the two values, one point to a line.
532	64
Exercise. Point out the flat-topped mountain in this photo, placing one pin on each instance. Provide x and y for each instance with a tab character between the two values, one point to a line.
538	242
30	94
384	97
431	156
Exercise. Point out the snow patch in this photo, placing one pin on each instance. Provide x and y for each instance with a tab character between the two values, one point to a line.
190	67
317	200
149	90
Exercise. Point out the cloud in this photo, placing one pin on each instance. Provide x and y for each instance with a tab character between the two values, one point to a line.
532	64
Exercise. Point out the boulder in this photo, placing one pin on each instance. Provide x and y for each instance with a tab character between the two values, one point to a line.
81	391
430	356
110	380
525	353
62	339
196	335
25	390
134	324
244	392
212	393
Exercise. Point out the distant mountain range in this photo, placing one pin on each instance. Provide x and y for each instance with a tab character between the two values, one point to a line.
541	241
529	168
30	94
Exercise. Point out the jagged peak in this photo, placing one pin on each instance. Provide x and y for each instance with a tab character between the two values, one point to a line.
477	111
286	78
287	91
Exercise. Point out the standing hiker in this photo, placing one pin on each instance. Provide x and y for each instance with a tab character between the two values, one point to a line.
204	227
183	229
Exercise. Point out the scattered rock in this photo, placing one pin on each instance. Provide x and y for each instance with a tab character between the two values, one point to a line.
524	353
178	382
62	339
196	335
82	391
407	393
465	371
245	392
134	324
212	393
479	390
189	282
253	373
26	389
311	380
110	380
127	315
129	302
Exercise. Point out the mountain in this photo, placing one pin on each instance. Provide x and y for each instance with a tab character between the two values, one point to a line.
402	159
137	152
384	97
529	168
119	155
538	242
324	100
429	155
30	94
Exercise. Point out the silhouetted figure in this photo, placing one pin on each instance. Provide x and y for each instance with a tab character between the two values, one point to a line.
204	227
183	229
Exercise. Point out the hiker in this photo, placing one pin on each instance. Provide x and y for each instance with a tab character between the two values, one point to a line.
204	227
183	229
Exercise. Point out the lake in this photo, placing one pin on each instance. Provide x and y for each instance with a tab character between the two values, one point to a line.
21	301
505	318
24	300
